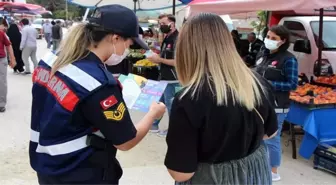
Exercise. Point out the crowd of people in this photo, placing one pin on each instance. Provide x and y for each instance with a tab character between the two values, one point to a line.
224	124
53	33
18	46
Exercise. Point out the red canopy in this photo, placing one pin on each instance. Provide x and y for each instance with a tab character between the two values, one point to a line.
221	7
21	6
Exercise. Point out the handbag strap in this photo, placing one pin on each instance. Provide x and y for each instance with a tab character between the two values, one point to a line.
262	119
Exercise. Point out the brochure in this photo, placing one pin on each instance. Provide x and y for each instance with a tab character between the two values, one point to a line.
139	93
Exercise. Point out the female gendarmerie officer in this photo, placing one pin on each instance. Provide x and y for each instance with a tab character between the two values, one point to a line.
79	118
280	68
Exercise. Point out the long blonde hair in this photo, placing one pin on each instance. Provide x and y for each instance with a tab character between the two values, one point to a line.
206	55
76	44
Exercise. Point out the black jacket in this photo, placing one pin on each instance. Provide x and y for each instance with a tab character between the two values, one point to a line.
168	52
250	59
271	67
56	32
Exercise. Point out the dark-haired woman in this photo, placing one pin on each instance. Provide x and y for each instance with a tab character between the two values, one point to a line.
280	68
14	35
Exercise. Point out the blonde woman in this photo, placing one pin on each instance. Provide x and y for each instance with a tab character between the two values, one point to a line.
220	118
79	118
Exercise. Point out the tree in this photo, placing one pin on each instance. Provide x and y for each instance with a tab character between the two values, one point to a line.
57	7
50	5
262	23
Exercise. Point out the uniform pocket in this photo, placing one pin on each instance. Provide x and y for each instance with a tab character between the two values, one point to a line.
273	74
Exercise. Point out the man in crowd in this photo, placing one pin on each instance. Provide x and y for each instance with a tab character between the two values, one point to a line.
5	45
57	35
167	62
47	31
254	48
28	45
236	40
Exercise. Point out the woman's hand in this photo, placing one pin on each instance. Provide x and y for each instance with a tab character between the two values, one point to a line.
157	110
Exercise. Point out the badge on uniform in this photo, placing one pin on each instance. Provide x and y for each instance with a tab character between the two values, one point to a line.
274	63
117	114
108	102
259	61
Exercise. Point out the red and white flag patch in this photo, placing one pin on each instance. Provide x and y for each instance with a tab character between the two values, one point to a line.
109	102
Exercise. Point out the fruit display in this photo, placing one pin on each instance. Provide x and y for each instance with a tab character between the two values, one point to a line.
313	95
144	63
302	99
327	98
309	89
330	80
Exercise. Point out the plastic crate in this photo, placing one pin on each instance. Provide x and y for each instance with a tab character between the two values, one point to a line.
324	163
322	150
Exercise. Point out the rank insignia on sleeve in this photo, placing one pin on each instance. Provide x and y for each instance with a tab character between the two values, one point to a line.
108	102
117	114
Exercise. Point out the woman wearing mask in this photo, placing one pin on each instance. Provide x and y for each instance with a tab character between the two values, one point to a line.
15	37
79	118
219	119
280	68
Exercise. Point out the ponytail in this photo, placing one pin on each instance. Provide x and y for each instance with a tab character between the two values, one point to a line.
73	48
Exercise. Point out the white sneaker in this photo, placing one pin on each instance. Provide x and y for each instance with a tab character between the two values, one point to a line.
275	177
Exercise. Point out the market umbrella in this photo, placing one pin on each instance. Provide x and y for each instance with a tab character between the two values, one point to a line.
221	7
148	14
17	7
4	11
238	6
145	5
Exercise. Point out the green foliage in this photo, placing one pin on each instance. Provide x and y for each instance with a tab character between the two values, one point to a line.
58	8
262	23
61	14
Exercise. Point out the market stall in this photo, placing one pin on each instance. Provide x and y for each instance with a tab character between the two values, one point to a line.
313	108
22	7
313	105
166	6
138	64
221	7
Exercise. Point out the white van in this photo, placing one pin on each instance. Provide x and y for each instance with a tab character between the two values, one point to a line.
304	42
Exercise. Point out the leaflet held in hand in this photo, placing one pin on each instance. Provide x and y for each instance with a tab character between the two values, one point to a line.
139	93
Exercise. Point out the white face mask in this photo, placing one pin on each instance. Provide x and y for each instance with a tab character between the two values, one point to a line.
116	59
271	44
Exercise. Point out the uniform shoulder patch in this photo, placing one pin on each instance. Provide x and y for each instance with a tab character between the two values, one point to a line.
259	61
117	114
108	102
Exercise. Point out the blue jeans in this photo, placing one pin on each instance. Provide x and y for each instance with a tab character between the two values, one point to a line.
274	144
47	37
167	98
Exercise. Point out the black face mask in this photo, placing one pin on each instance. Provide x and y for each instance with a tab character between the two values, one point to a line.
165	28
